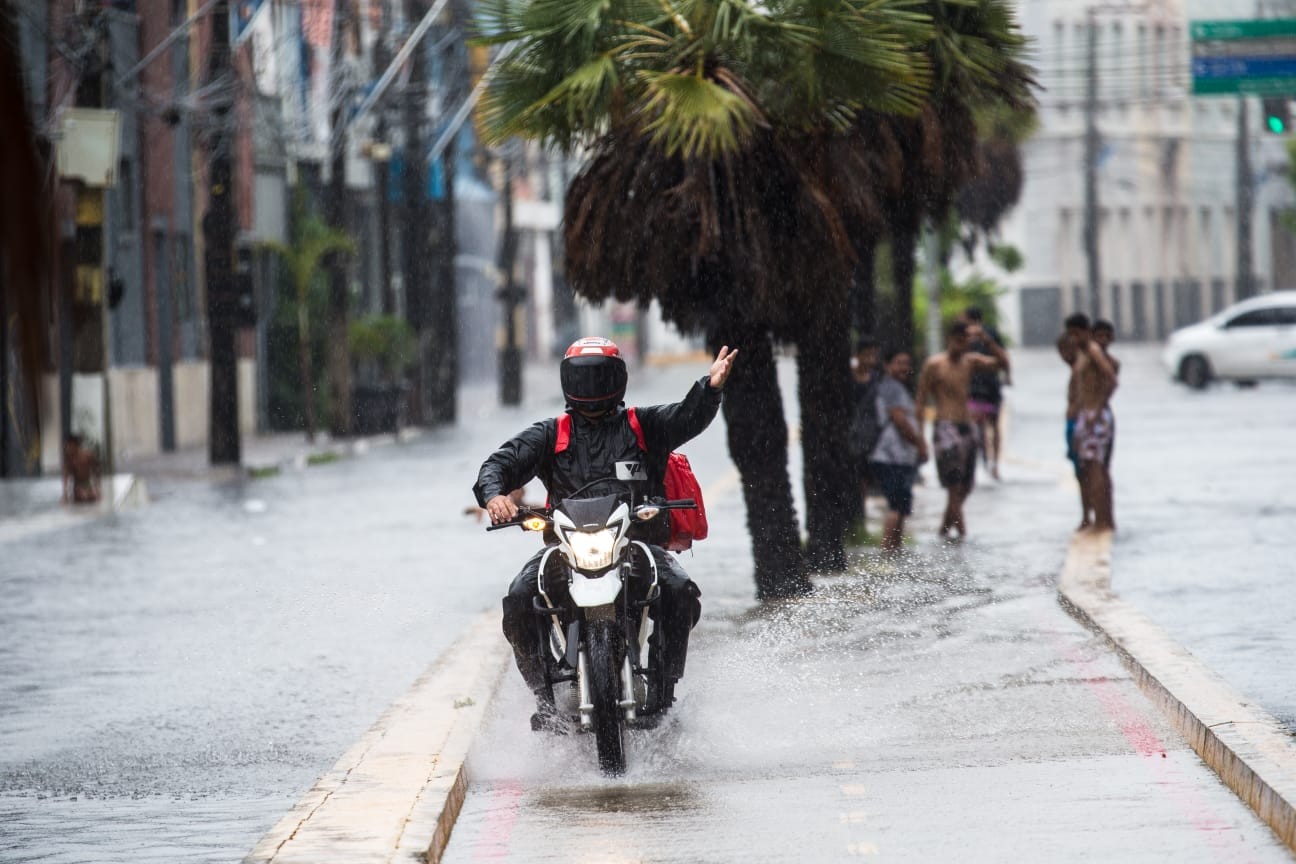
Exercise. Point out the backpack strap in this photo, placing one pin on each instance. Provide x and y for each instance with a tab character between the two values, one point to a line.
564	434
638	430
563	439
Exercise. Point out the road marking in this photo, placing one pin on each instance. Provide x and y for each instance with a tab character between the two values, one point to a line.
1246	746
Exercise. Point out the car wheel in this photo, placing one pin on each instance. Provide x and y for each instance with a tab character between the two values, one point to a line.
1195	371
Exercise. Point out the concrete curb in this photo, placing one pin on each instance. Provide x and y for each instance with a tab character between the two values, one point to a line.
1246	746
395	795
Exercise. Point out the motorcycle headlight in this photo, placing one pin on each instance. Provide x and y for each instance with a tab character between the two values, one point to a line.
592	549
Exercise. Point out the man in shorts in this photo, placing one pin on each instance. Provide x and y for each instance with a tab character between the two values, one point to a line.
1104	333
986	393
1076	328
946	379
1095	381
900	447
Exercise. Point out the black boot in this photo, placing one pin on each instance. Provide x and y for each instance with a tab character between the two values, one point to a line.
547	718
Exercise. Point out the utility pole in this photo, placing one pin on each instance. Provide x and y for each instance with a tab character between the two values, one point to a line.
218	229
1245	195
339	356
416	266
512	295
1092	142
443	354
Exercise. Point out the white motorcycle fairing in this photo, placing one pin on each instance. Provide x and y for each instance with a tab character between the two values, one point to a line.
597	591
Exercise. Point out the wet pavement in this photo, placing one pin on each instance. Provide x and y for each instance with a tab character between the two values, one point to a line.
940	708
173	679
1206	507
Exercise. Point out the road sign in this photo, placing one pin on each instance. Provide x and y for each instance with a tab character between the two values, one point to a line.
1256	57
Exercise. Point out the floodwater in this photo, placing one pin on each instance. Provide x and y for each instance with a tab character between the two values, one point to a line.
172	680
939	708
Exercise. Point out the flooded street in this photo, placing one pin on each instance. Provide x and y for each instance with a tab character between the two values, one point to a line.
937	709
173	679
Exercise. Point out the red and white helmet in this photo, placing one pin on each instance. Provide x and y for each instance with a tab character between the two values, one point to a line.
593	374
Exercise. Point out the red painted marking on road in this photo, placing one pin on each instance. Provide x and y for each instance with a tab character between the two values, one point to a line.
496	835
1218	834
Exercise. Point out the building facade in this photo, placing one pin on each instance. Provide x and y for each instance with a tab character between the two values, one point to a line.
1167	176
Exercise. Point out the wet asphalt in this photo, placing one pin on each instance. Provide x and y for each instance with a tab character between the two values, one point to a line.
942	707
172	680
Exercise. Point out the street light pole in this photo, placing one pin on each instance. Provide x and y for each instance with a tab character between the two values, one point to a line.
1092	142
1245	204
512	296
218	229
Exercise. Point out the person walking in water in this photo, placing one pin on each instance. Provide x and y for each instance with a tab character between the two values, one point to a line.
1095	382
946	380
900	446
986	393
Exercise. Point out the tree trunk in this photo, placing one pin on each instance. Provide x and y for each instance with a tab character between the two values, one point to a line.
824	391
758	439
338	349
904	245
307	374
863	313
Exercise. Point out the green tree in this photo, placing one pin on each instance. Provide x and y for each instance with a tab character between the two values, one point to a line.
977	59
312	242
714	183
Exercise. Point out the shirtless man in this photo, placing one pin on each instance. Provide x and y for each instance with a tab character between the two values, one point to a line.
1095	380
1076	327
946	379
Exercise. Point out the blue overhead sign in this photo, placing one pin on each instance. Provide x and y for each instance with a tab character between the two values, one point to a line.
1256	57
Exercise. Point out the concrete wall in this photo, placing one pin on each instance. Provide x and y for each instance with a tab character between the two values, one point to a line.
134	392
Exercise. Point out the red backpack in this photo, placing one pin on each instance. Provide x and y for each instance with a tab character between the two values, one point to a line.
685	525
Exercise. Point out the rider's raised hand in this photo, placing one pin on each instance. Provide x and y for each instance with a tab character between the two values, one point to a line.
501	508
722	366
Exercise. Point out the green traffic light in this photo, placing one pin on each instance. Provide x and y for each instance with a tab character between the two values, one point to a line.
1276	125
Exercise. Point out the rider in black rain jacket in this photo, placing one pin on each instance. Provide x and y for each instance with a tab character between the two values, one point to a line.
594	380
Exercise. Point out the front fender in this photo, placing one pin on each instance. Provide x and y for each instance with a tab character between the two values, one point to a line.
598	591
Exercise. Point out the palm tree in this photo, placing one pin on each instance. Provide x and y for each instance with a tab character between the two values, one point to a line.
25	259
313	242
710	183
977	59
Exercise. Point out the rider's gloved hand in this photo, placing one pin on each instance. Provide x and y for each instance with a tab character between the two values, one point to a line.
501	508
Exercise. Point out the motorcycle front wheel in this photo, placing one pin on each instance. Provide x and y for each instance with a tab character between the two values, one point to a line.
605	690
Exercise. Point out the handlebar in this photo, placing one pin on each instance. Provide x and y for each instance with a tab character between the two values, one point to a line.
526	514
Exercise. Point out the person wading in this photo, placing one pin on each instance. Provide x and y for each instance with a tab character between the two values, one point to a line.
945	380
594	378
900	448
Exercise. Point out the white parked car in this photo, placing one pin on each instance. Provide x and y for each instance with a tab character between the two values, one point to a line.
1248	341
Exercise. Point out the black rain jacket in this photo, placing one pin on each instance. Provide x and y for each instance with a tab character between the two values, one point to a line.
594	449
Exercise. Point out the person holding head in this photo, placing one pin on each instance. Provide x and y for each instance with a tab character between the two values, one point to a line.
900	447
1095	381
946	379
985	393
1104	333
1075	329
593	376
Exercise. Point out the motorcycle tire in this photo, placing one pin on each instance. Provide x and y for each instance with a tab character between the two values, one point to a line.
605	688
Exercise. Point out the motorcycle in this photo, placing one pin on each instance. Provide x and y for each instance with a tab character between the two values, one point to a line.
597	596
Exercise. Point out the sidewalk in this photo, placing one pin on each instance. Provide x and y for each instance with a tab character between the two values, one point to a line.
30	504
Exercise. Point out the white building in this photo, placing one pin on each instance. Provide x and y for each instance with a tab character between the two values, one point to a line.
1166	175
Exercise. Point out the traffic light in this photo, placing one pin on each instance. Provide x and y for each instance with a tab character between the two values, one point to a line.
1277	115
